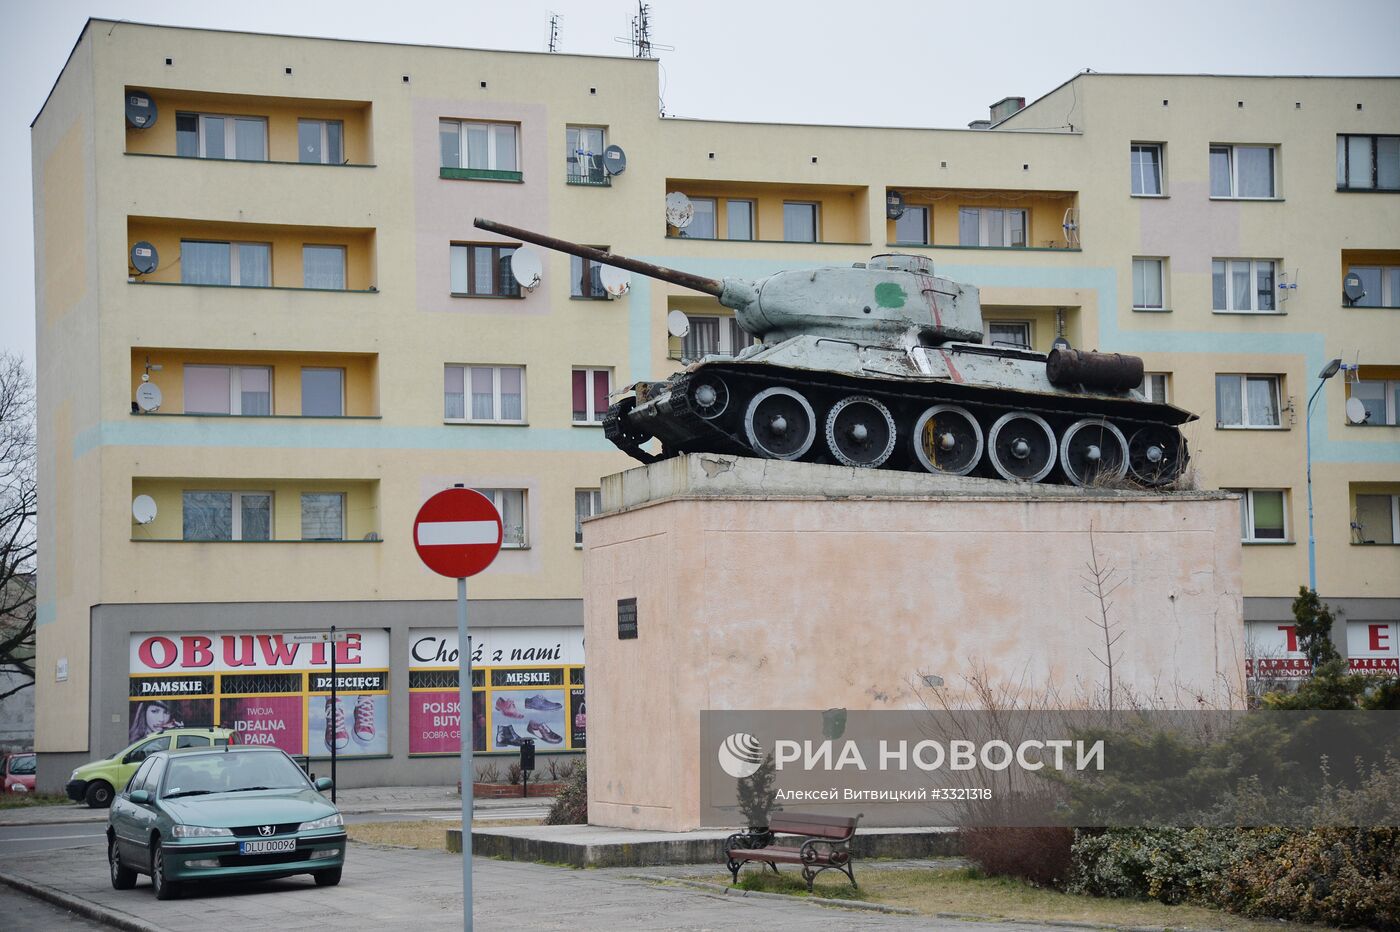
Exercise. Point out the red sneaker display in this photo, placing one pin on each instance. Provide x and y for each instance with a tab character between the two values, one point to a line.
364	719
337	735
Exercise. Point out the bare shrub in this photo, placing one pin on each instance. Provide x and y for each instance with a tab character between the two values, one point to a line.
1040	854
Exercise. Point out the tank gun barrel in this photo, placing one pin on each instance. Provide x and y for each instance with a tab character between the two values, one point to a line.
710	286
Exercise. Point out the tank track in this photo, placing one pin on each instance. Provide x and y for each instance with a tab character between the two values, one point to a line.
676	419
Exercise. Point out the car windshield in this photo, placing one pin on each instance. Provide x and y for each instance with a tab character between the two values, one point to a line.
232	772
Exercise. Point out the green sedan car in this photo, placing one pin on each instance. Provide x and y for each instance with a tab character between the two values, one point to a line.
227	813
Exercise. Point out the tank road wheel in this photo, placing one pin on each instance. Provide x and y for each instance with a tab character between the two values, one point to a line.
1093	449
948	439
860	431
709	396
780	424
1021	446
1156	455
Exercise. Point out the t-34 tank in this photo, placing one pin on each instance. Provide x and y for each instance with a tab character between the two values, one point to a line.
882	364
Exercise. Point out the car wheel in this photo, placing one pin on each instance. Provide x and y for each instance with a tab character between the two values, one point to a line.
99	794
327	878
123	878
165	889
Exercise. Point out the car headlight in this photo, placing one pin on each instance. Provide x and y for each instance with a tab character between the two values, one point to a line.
330	821
199	831
74	776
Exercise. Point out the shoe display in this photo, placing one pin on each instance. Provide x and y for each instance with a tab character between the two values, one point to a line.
508	737
337	735
508	708
542	731
363	731
541	704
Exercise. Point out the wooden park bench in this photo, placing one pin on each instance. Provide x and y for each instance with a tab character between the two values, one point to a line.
824	845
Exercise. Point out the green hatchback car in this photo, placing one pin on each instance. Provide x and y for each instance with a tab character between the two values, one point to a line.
97	782
230	813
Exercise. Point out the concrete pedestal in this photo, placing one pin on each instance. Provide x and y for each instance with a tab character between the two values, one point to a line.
763	584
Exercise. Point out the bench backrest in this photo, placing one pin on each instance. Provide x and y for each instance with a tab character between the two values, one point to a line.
812	825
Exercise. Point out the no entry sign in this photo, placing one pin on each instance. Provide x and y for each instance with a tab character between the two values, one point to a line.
457	533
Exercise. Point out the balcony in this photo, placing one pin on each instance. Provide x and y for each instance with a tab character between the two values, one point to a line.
231	383
773	213
1378	390
1376	274
984	219
208	512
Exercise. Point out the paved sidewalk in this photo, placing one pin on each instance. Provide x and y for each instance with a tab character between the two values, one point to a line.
385	888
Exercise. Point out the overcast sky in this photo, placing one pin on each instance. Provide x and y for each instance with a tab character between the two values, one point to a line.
881	62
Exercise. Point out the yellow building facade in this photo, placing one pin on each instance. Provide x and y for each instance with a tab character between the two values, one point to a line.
287	254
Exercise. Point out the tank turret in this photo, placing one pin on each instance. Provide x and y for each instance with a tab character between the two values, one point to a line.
881	364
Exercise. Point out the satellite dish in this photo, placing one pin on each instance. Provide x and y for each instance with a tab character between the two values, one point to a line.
614	160
615	281
677	324
144	258
148	397
894	205
143	509
679	210
140	109
1356	411
1351	287
526	266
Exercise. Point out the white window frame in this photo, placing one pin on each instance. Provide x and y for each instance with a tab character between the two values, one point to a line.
235	388
1234	195
728	222
984	224
1161	170
1146	387
301	502
1388	296
575	165
463	152
230	133
595	506
1161	283
1255	265
497	496
924	235
236	525
1025	325
592	406
1245	378
816	221
235	269
1358	530
503	283
727	341
496	408
1248	532
1390	387
325	140
685	233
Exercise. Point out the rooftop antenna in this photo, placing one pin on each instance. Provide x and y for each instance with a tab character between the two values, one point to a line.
642	46
553	31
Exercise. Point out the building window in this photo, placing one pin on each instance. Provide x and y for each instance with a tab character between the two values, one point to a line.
991	226
480	150
912	227
1250	401
215	136
1154	386
241	390
1381	284
585	277
510	503
587	503
481	271
227	515
584	159
739	219
1368	163
702	219
590	390
1012	333
1145	163
319	142
248	265
1263	514
1377	519
710	336
323	267
799	222
1148	287
1243	285
497	394
322	516
1242	171
1381	399
322	392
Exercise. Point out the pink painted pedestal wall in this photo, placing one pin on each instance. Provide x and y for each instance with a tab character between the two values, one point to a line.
772	585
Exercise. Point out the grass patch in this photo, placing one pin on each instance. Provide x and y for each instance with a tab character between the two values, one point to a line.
28	800
430	834
967	891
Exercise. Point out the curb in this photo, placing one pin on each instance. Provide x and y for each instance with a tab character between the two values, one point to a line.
76	904
758	894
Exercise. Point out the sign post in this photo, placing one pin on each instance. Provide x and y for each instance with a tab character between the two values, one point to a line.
457	534
333	716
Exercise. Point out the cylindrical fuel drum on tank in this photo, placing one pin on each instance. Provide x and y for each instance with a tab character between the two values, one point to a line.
1107	371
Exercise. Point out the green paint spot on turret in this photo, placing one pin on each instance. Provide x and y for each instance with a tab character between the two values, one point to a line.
890	294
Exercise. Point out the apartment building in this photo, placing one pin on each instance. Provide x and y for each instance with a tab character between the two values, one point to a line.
275	232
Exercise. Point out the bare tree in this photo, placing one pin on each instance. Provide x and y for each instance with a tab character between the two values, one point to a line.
18	541
1101	584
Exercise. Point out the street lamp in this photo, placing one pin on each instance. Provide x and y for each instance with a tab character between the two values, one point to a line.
1327	372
